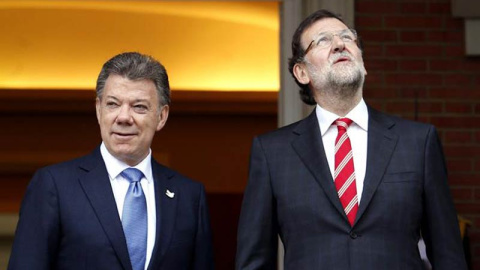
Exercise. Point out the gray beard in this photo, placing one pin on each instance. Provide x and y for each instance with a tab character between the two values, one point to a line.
344	82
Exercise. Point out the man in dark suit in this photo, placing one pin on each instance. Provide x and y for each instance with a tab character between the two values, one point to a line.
348	187
117	208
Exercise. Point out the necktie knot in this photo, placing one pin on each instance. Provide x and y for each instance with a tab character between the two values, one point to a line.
132	174
343	123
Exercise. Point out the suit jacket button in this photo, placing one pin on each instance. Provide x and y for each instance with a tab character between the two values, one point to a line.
353	235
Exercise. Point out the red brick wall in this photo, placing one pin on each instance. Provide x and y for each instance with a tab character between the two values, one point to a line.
414	52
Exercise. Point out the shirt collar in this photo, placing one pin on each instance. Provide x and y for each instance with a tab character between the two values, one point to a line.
359	116
115	166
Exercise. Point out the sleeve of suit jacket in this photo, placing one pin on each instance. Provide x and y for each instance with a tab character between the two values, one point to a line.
257	231
37	233
440	224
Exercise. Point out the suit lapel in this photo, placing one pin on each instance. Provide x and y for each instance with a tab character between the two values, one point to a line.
166	207
309	146
381	144
96	185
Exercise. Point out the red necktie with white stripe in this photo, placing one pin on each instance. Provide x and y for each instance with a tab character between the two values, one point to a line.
344	170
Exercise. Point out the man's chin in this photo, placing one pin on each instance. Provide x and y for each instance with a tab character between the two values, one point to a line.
346	77
120	150
344	80
127	157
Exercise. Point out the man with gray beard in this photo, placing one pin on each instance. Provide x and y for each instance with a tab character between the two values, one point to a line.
348	187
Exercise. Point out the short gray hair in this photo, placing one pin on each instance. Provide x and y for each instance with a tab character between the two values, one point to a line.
136	66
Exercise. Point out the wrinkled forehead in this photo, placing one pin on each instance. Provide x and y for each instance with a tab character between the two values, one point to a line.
320	26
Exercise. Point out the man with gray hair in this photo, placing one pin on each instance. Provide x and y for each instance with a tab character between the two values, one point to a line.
348	187
117	208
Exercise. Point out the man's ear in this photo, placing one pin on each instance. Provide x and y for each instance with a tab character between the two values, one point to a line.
98	105
300	72
162	117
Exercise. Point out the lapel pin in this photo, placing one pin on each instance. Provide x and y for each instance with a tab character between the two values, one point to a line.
170	194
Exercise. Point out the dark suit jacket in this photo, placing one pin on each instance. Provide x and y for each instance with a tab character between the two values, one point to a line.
291	193
69	220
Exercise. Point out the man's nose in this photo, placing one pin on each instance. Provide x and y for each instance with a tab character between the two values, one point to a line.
338	45
124	115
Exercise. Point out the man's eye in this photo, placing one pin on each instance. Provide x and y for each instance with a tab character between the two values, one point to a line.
347	37
140	108
112	105
322	39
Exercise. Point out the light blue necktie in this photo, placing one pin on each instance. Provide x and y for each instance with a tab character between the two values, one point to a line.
134	219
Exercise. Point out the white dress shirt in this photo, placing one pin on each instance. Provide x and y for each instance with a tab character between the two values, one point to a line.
120	187
358	134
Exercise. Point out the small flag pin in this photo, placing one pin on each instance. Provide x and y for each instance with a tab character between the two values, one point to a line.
170	194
